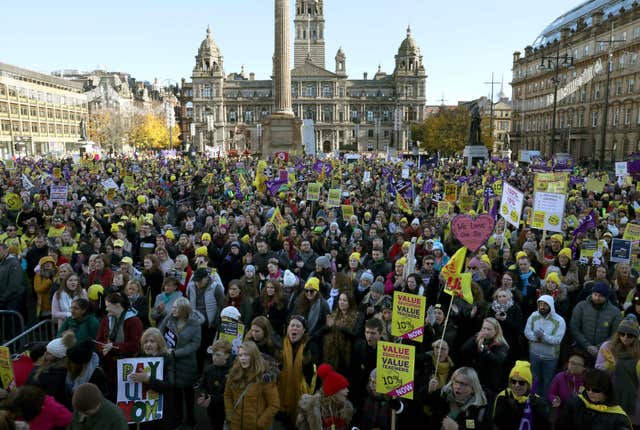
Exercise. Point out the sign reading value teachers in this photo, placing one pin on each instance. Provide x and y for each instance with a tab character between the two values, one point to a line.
395	366
407	320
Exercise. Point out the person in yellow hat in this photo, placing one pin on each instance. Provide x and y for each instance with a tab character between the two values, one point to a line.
549	249
312	306
42	283
510	404
569	275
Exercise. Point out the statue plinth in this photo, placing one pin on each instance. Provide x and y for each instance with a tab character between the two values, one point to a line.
282	132
473	154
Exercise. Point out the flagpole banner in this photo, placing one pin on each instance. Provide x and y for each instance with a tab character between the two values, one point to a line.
333	200
313	191
548	211
139	403
395	365
407	319
511	208
6	369
620	251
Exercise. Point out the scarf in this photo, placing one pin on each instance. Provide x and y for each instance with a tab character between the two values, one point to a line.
166	298
291	378
442	369
524	277
625	370
603	408
499	307
65	300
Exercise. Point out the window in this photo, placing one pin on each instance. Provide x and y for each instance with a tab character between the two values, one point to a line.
596	92
370	116
627	116
14	109
410	91
34	127
621	62
232	116
354	115
634	58
601	46
25	127
309	90
248	117
594	119
33	111
616	115
341	91
586	50
24	110
327	113
583	94
4	108
294	90
619	88
370	133
206	91
630	84
3	90
636	33
327	91
6	125
580	119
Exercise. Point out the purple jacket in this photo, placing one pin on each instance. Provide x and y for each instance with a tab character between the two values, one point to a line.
565	385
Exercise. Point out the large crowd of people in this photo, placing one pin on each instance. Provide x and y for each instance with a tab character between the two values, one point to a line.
151	257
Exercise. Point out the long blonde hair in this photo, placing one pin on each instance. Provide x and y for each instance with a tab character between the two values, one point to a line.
239	376
499	337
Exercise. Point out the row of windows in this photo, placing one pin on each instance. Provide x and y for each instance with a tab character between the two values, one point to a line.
619	117
41	96
34	127
41	112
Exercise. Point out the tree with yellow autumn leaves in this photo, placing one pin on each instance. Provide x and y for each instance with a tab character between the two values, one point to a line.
112	130
448	131
150	131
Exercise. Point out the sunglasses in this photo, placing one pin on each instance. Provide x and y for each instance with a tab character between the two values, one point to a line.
309	291
518	382
593	390
626	335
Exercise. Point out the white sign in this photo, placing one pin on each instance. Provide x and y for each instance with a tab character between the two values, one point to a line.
139	403
548	211
26	182
367	177
511	204
621	169
405	173
109	183
58	194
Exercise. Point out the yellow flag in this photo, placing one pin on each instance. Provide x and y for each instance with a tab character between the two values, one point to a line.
457	283
402	204
278	220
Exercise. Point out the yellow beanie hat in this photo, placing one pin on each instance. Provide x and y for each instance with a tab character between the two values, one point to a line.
557	237
205	236
312	283
406	245
486	259
202	251
522	370
169	234
566	252
141	200
553	277
355	256
520	255
401	261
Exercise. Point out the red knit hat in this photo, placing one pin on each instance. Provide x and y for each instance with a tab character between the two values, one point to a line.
332	381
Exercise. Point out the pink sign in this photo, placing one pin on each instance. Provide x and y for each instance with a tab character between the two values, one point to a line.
472	232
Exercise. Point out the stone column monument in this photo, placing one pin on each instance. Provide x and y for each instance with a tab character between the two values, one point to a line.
282	130
475	151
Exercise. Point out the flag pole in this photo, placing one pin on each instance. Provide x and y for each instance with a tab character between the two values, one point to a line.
446	321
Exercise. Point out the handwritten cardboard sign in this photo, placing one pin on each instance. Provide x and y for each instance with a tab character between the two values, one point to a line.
472	232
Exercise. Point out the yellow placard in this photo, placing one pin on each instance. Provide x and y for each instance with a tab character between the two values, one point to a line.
588	248
111	193
395	366
631	232
466	203
551	182
56	172
9	164
6	369
333	200
594	185
313	191
232	332
538	220
129	182
497	187
347	212
450	192
407	319
443	209
13	201
628	181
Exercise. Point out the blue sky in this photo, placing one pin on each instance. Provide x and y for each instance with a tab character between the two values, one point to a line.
462	42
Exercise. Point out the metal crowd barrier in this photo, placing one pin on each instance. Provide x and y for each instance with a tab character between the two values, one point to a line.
11	324
40	332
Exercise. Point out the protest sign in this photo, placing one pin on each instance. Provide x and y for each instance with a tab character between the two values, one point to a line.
631	232
333	200
450	192
551	182
472	232
366	178
497	187
231	331
620	251
466	203
621	169
313	191
347	212
6	369
129	182
137	401
405	173
511	207
548	210
13	201
594	185
58	194
588	249
395	364
109	183
407	319
443	209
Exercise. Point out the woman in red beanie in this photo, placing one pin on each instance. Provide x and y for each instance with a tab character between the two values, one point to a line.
327	409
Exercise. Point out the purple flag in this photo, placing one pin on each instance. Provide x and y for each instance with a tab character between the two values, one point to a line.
586	223
427	186
274	185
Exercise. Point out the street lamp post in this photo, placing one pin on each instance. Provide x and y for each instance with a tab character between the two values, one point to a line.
553	63
356	122
259	127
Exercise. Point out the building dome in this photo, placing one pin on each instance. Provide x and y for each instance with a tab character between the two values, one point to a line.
583	12
408	45
208	47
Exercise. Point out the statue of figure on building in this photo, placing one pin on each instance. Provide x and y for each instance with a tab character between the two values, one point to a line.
474	129
83	130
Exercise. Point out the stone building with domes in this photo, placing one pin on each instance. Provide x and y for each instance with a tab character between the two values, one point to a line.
224	110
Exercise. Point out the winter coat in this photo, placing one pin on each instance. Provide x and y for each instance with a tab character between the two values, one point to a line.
85	328
108	417
553	328
581	414
167	300
318	412
257	408
187	343
59	312
564	386
52	382
42	287
213	383
507	412
529	293
14	284
472	417
53	415
127	348
511	328
210	300
488	362
593	324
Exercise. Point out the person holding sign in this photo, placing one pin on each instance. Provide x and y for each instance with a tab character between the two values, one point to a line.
460	404
251	398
